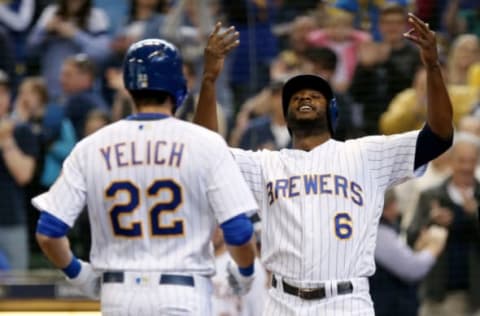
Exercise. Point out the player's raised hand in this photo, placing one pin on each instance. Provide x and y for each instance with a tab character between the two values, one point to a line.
220	43
425	39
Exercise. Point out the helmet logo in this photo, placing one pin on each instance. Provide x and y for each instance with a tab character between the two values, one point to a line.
142	80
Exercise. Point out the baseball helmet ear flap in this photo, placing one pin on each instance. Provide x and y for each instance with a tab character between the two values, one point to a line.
332	115
155	65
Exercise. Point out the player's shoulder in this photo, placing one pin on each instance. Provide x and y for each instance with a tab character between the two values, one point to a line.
200	132
106	132
379	140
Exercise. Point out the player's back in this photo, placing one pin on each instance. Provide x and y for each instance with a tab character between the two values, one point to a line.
147	195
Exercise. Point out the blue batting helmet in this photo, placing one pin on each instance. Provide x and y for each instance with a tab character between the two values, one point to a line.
155	64
313	82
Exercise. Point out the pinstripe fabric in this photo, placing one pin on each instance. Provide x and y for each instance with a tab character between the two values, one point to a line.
147	297
320	211
184	175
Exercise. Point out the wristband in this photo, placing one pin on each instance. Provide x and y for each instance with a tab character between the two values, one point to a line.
73	268
247	271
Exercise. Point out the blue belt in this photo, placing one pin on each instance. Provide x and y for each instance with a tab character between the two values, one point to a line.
176	279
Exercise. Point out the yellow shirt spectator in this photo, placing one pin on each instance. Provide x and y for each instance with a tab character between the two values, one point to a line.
407	111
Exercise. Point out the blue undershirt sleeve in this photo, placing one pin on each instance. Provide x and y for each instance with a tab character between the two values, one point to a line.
429	146
237	230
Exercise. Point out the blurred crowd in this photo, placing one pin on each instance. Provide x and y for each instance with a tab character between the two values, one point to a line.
60	80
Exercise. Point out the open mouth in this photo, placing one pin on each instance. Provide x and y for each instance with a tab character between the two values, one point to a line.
305	108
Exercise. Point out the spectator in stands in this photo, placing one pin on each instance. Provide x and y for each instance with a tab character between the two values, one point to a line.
77	80
145	20
122	103
18	155
290	61
452	288
95	120
268	131
399	267
7	58
16	17
117	12
464	53
470	124
258	47
387	65
367	13
55	132
462	16
340	36
55	136
407	110
4	265
187	25
64	29
187	110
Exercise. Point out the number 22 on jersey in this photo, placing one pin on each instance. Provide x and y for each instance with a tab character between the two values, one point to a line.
156	228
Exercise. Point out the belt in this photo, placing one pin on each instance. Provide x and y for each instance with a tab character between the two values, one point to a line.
175	279
345	287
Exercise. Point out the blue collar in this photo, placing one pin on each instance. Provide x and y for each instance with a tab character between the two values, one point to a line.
146	116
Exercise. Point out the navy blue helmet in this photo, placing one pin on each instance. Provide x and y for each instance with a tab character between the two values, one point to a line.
313	82
155	64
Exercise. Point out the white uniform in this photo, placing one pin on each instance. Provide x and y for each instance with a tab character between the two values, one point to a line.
320	212
226	303
155	190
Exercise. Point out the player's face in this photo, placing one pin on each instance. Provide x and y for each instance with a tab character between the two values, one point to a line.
307	110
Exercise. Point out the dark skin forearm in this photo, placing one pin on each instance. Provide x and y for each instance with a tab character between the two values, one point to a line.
218	46
206	113
439	106
243	255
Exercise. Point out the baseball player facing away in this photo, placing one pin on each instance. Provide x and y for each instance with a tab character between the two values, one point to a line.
155	188
321	201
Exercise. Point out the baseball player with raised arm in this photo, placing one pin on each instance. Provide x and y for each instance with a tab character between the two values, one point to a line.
321	201
155	188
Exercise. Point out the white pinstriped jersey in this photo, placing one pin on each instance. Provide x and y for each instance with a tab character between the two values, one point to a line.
154	191
320	209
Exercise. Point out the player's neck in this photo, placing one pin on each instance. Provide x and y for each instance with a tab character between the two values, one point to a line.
307	143
155	109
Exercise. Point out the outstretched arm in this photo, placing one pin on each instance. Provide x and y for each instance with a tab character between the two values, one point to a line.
218	46
439	106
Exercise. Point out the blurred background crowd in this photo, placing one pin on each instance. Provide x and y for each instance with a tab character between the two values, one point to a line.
60	80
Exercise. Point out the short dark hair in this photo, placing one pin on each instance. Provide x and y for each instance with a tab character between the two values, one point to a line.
392	8
83	63
144	97
323	56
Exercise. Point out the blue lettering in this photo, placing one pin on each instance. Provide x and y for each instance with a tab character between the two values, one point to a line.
324	183
157	149
119	154
134	161
281	184
176	154
292	186
311	183
341	183
106	155
357	191
271	198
